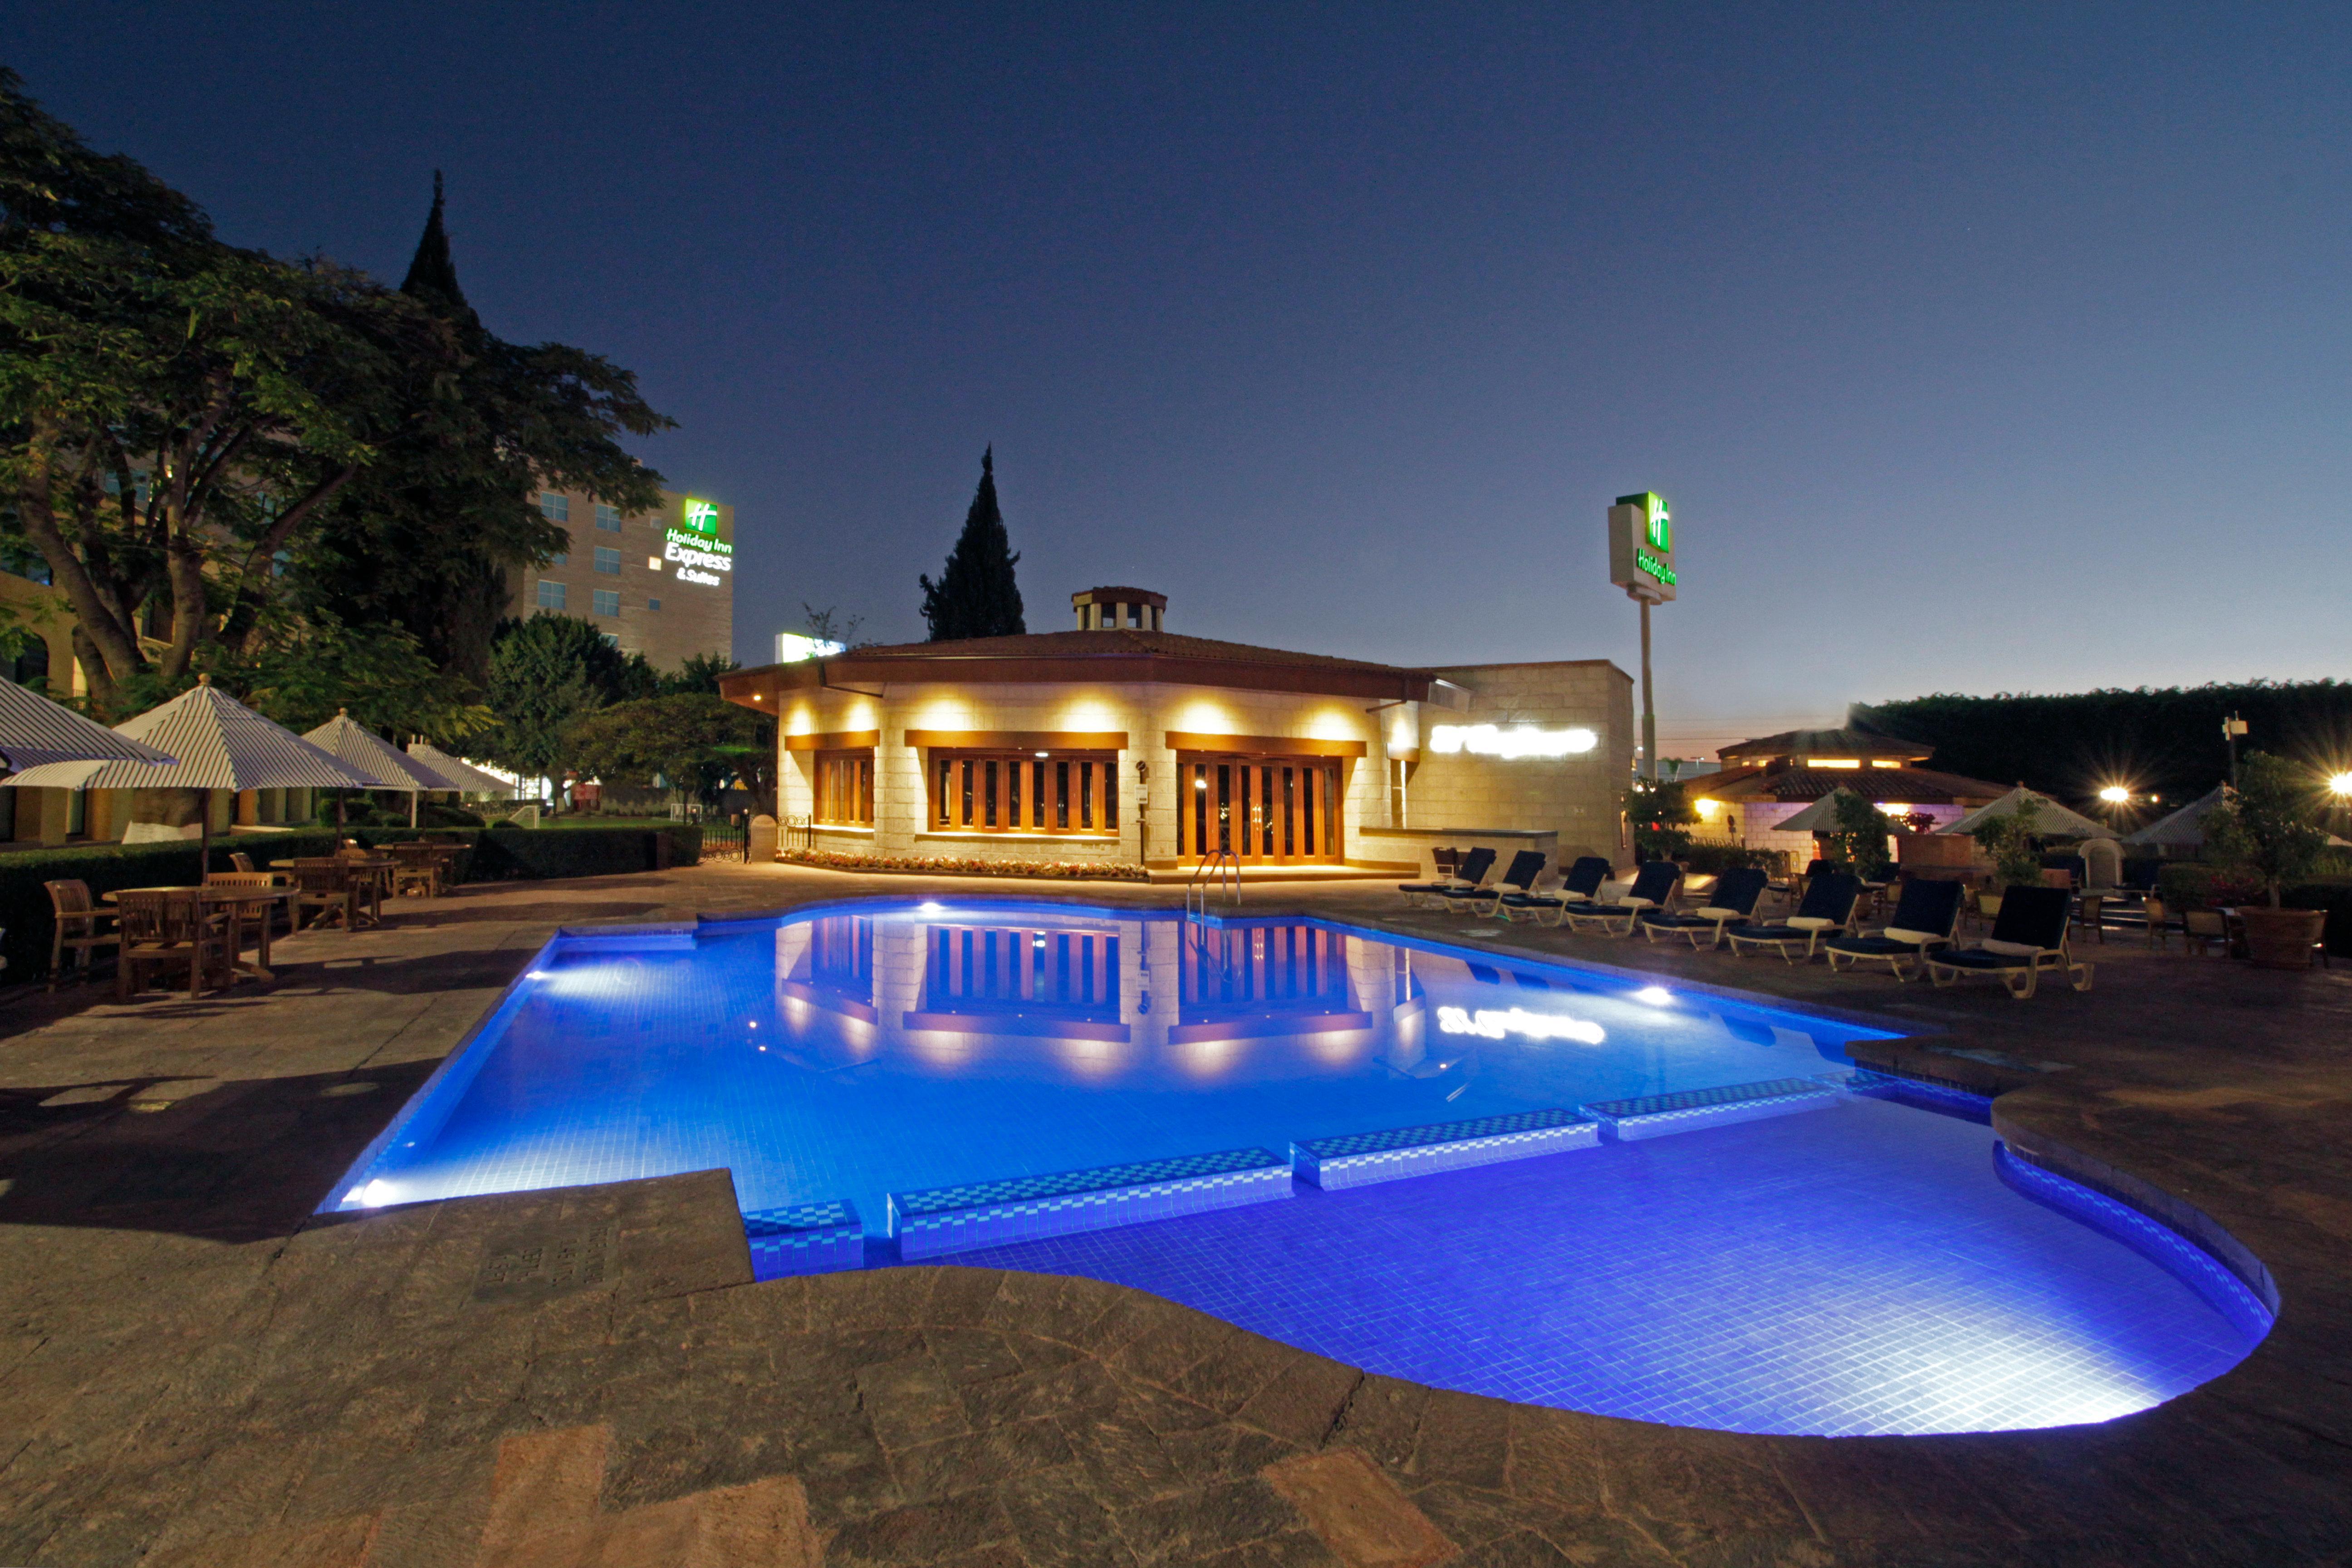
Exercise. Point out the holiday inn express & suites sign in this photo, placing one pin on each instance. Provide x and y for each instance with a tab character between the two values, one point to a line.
1642	547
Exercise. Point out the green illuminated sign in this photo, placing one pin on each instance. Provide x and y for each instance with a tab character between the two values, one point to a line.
1650	565
1662	536
697	541
702	516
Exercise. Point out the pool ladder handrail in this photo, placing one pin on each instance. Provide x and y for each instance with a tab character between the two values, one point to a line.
1221	872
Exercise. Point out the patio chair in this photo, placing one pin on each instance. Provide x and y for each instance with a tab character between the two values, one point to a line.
77	928
247	879
328	884
1925	918
1468	873
1584	879
1732	903
240	859
1524	867
1828	907
415	868
2201	930
163	929
1653	885
2160	922
2029	937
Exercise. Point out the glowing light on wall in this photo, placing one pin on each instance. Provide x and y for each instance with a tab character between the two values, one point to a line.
1489	1024
1487	740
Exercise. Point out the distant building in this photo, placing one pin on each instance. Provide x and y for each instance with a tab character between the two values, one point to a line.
1764	782
660	582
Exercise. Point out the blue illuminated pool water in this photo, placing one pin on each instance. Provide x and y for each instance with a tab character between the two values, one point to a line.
1871	1266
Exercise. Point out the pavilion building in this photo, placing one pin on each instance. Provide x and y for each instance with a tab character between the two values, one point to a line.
1765	782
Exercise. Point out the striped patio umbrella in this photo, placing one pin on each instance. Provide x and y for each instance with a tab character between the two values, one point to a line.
220	743
460	777
363	749
34	730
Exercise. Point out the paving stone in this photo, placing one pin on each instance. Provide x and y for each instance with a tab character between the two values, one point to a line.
985	1458
922	1532
1358	1511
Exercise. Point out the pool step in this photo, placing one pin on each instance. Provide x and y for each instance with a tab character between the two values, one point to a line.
805	1239
1655	1115
943	1220
1360	1158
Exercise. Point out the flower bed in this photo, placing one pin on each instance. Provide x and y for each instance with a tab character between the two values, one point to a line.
940	866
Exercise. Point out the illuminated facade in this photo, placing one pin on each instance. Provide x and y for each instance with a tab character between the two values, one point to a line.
660	582
1122	743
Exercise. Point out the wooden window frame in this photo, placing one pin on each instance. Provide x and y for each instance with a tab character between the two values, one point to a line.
1022	794
840	788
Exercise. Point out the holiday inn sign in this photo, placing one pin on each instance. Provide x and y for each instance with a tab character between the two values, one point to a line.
1642	546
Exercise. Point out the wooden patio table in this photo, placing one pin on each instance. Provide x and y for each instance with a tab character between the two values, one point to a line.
234	902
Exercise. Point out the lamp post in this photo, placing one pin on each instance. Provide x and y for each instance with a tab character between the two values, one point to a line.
2116	797
2232	728
2339	796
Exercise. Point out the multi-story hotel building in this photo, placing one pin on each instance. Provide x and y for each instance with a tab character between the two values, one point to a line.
659	583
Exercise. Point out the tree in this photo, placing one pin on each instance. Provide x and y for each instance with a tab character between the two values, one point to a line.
545	672
1860	840
694	741
1659	817
175	414
699	674
2268	825
2010	840
976	596
430	535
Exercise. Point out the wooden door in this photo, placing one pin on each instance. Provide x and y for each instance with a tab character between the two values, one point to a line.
1264	811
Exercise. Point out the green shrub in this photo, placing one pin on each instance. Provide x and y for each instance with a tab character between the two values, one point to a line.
1714	859
508	852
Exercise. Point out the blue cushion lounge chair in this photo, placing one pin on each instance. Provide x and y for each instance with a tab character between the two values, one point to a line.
1583	880
1525	867
1468	874
2029	936
1733	902
1829	898
1654	884
1924	918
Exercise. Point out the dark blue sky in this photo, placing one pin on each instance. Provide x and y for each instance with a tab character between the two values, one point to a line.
1978	348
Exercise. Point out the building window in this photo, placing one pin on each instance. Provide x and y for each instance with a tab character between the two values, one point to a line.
605	600
553	507
551	596
561	558
843	784
608	562
653	603
1020	791
608	518
613	640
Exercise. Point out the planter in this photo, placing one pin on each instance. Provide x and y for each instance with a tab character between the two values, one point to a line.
2282	939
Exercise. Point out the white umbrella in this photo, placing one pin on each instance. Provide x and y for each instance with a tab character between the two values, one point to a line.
458	776
1819	817
220	743
387	766
34	730
2051	820
2182	828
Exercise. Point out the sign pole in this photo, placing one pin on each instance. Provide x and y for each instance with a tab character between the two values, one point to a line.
1649	709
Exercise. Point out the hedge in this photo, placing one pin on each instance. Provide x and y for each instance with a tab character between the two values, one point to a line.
498	854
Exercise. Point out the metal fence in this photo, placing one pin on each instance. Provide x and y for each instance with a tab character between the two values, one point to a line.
725	838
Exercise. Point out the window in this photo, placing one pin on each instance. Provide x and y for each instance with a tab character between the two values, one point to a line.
843	784
613	640
1021	791
652	562
561	558
551	596
608	562
608	518
553	507
605	600
653	603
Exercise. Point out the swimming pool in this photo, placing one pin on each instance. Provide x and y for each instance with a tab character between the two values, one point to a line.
1650	1201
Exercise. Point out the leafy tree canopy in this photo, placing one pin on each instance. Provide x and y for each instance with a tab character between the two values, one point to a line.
2268	827
545	672
693	740
976	596
1659	814
700	674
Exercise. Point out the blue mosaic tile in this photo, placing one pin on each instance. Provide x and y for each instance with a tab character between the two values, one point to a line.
1650	1115
990	1214
1362	1158
805	1239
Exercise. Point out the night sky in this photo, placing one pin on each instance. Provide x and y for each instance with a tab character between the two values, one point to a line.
1977	348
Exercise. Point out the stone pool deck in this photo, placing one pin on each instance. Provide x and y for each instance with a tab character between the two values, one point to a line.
193	1372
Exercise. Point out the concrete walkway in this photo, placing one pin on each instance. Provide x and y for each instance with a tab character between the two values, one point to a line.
194	1372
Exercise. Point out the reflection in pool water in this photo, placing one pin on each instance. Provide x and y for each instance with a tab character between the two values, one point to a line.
1860	1267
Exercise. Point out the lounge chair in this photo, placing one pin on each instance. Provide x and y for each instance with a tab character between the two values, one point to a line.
1924	918
2029	936
1472	871
1828	906
1654	884
1524	867
1733	902
1583	881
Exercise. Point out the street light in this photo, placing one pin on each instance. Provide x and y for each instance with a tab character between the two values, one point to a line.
2340	786
2116	794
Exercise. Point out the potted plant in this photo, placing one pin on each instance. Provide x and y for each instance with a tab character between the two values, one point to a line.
2267	828
2008	840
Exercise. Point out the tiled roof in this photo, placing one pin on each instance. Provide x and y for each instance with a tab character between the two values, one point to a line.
1918	787
1114	643
1827	743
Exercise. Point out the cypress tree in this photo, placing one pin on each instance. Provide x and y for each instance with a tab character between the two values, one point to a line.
976	596
432	275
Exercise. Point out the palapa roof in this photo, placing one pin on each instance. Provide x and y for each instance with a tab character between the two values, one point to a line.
220	743
1859	743
34	730
2182	828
